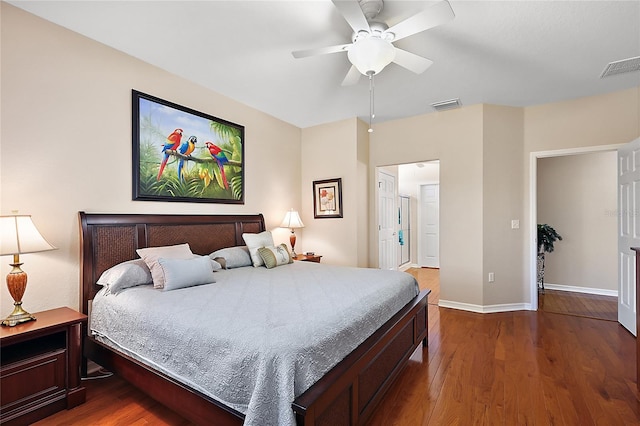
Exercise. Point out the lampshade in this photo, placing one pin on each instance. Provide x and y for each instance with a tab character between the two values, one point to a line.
292	220
371	54
19	235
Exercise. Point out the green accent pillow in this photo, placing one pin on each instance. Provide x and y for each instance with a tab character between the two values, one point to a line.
275	256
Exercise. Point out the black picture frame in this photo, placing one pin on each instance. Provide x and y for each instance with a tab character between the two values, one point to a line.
203	155
327	198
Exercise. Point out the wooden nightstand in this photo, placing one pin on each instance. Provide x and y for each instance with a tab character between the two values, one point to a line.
308	258
40	366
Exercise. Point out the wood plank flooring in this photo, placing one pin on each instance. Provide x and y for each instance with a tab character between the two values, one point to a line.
515	368
579	304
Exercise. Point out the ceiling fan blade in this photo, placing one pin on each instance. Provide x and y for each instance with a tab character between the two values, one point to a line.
435	15
352	13
411	61
352	76
320	51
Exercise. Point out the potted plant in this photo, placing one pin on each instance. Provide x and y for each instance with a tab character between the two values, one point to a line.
547	236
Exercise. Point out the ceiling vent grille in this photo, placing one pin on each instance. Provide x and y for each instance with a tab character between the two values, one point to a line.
445	105
621	67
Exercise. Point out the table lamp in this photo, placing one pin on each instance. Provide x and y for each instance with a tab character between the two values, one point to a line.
292	221
18	235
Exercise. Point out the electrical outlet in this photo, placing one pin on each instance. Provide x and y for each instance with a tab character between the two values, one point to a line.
492	277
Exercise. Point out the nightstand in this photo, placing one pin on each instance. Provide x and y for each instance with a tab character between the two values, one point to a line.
308	258
40	366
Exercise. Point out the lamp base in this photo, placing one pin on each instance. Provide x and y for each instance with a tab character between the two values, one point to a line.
18	316
292	241
17	284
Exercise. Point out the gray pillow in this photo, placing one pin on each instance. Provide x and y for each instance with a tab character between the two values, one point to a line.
126	274
180	273
232	257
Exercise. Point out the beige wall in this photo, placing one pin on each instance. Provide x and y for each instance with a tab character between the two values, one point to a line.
577	196
66	146
585	123
484	154
502	203
362	193
336	150
454	138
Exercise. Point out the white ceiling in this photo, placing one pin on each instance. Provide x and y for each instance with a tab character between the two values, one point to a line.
514	53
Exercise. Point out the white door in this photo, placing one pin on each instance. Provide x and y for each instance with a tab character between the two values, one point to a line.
628	231
429	241
387	222
404	230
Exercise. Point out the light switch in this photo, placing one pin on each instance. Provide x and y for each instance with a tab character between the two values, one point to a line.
515	224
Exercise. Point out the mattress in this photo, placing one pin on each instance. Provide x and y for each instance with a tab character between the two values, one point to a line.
256	338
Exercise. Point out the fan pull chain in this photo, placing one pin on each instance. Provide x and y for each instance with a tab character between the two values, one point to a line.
371	101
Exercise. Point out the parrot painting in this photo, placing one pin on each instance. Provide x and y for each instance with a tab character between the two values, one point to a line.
186	148
172	143
221	160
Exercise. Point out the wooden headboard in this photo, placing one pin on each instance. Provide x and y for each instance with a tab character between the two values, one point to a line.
109	239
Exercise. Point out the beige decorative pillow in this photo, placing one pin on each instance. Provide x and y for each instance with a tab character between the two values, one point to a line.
254	242
151	255
275	256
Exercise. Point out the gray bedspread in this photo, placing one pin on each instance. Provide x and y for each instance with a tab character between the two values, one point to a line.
256	338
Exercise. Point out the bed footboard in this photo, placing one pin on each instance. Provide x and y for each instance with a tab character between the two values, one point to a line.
349	393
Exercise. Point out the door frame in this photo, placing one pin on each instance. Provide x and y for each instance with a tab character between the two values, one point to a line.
533	206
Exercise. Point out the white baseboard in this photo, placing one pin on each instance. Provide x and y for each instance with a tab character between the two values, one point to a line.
407	265
485	309
92	367
576	289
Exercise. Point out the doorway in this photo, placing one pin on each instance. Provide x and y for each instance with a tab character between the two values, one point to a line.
409	178
565	194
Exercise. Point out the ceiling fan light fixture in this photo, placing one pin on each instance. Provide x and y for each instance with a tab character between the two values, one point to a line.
371	54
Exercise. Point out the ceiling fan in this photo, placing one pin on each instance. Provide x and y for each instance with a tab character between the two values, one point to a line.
372	46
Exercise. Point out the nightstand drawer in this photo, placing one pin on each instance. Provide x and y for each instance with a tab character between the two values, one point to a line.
32	381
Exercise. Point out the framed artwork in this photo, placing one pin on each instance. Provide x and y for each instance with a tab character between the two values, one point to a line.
180	154
327	198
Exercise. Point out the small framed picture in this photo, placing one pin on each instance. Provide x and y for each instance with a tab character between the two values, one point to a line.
327	198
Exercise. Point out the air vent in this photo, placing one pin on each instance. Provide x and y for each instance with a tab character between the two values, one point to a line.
445	105
621	67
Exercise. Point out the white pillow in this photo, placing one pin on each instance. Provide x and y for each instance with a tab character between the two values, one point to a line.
151	255
254	242
180	273
126	274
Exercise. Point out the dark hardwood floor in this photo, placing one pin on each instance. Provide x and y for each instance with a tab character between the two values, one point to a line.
579	304
514	368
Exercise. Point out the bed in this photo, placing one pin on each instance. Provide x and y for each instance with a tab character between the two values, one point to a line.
346	394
